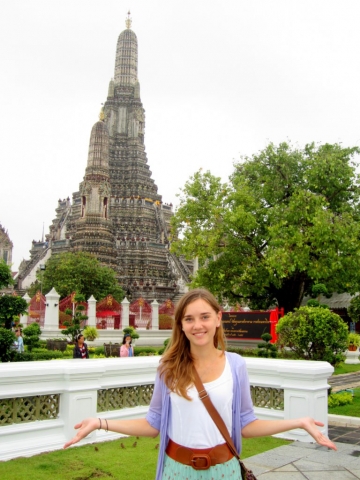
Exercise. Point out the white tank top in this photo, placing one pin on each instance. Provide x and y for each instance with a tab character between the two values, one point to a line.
190	424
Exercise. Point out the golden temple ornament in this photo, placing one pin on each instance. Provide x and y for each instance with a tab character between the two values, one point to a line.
128	20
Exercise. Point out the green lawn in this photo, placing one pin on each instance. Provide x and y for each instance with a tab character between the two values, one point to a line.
345	368
106	461
351	410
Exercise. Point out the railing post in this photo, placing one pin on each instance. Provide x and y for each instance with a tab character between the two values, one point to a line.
52	310
155	315
125	313
24	318
91	311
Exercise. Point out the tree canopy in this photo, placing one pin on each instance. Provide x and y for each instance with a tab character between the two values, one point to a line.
287	219
78	272
5	275
10	305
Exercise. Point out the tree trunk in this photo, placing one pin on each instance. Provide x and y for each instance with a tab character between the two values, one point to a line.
292	292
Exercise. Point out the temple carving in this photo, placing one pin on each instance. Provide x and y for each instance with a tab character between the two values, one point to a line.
118	214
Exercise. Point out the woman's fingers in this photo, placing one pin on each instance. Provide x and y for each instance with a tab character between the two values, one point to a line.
84	429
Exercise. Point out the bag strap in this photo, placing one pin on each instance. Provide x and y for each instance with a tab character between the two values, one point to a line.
214	414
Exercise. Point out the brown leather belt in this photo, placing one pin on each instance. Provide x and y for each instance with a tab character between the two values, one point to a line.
199	458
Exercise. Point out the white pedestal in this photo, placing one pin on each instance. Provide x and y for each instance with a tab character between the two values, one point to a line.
352	358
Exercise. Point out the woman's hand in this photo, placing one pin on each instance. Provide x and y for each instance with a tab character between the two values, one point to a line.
84	429
310	425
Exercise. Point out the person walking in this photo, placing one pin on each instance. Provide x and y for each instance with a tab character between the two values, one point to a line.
191	445
126	349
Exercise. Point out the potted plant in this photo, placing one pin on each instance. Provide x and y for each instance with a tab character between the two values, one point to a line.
353	342
352	355
90	333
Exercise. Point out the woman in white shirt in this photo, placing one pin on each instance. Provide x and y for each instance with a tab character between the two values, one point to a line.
188	435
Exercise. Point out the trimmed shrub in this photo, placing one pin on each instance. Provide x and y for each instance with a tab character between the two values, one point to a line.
314	333
42	354
132	332
23	357
244	352
265	348
339	399
99	351
143	351
32	336
162	349
165	322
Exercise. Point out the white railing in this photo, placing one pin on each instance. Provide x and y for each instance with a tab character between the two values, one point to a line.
303	385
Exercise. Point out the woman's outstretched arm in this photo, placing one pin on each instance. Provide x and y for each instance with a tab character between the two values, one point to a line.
260	428
138	427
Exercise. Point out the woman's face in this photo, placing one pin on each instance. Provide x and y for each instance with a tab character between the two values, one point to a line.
81	340
200	322
127	340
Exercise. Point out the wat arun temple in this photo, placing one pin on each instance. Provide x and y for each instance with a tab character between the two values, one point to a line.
118	214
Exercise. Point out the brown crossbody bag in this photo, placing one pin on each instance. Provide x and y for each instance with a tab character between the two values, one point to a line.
219	422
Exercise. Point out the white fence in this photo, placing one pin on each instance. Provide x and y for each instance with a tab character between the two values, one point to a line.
40	402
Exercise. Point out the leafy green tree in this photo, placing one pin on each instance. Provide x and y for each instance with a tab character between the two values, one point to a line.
288	219
354	309
7	338
10	307
314	333
79	272
5	275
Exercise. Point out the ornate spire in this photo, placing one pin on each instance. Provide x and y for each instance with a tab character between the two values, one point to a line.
102	114
128	21
126	57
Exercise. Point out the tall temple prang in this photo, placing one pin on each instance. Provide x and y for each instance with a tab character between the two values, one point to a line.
6	246
118	214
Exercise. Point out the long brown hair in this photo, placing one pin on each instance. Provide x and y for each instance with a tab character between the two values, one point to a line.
176	366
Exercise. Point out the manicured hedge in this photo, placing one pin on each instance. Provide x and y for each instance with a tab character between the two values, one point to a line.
142	351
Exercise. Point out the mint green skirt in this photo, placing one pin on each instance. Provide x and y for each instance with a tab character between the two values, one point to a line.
173	470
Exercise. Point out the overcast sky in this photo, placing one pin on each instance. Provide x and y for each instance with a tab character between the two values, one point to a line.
219	79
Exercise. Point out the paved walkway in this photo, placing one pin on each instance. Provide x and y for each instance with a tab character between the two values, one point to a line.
341	382
299	461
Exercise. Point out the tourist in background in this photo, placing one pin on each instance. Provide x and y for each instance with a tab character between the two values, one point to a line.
19	342
80	349
127	349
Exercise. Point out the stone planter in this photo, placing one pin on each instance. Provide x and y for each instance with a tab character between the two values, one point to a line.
56	345
112	349
352	357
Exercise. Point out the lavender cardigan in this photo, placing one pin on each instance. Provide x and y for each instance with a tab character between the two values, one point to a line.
242	407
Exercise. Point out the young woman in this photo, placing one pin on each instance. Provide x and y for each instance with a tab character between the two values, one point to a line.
80	349
177	413
126	350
